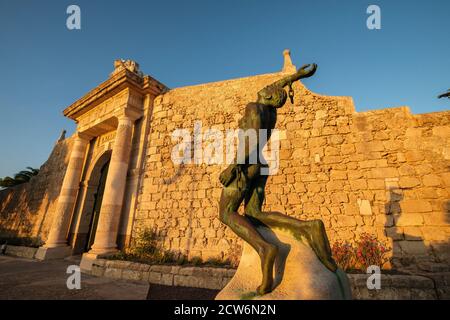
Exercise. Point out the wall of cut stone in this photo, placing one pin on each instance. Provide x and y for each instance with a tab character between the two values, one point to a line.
385	172
27	209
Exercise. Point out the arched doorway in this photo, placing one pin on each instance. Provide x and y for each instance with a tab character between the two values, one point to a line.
90	202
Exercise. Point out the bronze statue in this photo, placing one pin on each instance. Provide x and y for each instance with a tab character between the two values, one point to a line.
244	182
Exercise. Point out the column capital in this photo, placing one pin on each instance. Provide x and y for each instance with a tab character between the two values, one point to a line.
129	113
83	136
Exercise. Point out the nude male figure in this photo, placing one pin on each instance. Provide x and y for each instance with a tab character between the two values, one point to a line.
243	182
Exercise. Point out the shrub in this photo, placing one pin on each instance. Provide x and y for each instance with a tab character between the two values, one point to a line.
366	251
196	261
343	254
148	249
33	242
234	254
370	251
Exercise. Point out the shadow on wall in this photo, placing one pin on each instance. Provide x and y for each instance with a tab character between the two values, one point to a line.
24	209
409	250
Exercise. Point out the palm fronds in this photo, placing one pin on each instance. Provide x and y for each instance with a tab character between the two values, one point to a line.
19	178
445	95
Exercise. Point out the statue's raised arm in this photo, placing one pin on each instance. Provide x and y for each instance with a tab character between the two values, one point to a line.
274	94
306	71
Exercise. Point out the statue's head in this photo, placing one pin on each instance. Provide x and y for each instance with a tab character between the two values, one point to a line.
273	95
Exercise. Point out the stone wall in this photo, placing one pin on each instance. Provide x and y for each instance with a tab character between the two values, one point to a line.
393	287
27	210
385	172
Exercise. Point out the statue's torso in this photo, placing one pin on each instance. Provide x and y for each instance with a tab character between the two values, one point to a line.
265	117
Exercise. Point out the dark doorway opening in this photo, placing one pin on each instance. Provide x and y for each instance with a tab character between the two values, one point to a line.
98	197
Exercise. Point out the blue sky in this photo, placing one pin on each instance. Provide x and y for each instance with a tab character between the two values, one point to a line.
45	67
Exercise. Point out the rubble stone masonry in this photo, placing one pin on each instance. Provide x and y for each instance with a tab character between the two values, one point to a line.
385	172
27	210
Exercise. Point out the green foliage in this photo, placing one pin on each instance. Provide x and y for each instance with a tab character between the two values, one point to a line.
19	178
148	249
196	261
33	242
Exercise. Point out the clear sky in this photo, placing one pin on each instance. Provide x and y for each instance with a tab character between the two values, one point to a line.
45	67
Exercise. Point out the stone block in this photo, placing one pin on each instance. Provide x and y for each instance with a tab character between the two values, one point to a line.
431	180
408	182
167	279
97	271
364	207
161	269
433	233
347	149
132	275
413	206
45	253
187	271
21	251
359	184
154	277
414	248
344	221
351	209
376	173
394	233
414	155
375	184
436	219
338	175
407	219
113	273
442	131
100	262
413	233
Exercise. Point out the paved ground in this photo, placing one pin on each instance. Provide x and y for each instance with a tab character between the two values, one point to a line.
160	292
31	279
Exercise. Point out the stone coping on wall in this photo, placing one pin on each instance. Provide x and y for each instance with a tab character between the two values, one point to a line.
20	251
393	286
183	276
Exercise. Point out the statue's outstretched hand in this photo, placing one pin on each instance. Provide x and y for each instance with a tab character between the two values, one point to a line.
307	70
227	175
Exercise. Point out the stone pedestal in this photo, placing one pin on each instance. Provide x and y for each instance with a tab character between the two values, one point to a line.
87	260
298	274
46	253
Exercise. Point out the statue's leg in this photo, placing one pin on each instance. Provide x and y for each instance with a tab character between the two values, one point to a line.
313	231
230	201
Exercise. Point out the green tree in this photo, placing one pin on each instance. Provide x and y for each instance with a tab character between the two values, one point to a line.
19	178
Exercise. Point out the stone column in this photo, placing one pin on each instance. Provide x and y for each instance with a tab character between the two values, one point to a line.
105	241
56	244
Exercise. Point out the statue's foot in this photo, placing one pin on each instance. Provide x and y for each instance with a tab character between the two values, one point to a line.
267	261
320	245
